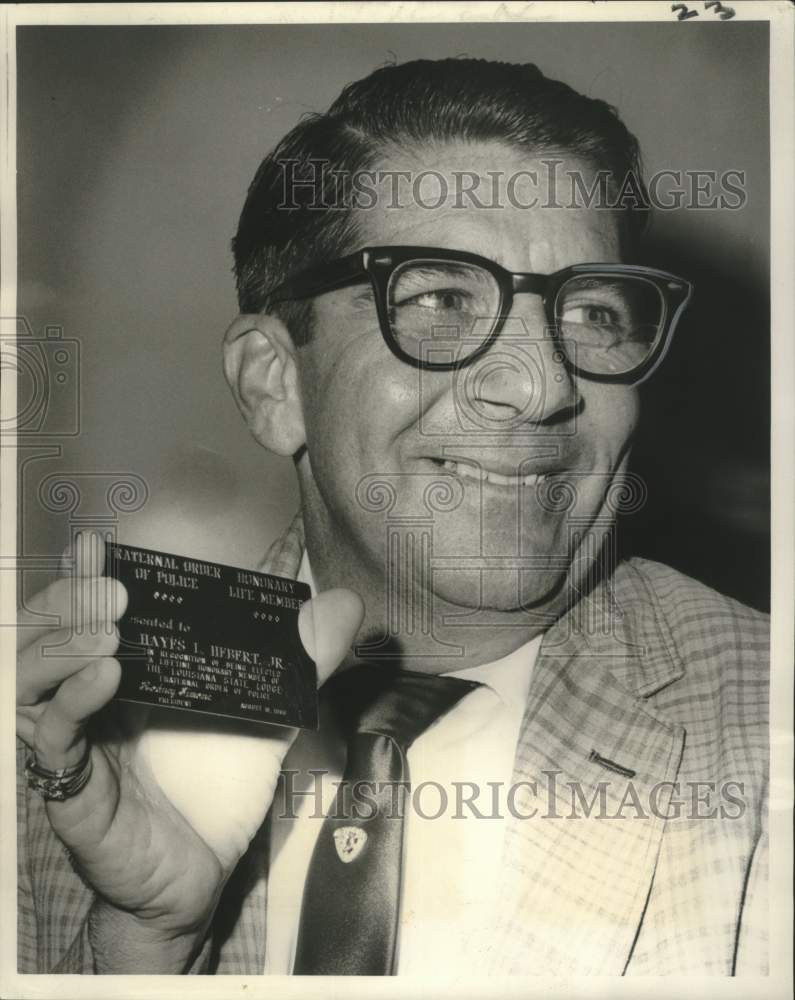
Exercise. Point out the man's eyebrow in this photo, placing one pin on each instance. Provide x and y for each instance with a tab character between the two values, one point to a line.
431	267
603	284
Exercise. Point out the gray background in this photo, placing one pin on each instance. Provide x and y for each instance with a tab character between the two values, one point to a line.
136	146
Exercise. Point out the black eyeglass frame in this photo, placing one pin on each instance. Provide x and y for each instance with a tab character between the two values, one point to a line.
378	264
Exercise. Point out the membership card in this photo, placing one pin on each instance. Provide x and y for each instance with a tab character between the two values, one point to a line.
210	638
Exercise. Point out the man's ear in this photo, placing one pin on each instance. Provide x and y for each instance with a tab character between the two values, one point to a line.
259	364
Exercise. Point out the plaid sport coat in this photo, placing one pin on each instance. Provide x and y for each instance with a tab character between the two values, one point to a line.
638	840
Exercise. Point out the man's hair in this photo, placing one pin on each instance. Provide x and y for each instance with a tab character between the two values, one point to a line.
283	230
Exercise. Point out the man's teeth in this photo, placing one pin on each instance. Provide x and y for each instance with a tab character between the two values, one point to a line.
469	471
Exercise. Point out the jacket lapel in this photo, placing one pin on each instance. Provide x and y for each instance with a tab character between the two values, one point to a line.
584	835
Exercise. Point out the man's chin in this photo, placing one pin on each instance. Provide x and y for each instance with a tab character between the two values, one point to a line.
509	591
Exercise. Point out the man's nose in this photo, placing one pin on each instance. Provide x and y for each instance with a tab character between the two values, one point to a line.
522	379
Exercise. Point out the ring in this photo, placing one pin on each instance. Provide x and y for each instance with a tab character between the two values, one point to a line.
62	783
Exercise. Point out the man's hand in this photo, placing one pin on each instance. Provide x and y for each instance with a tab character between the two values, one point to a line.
174	799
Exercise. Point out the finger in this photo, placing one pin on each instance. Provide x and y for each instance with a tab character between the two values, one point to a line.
27	720
58	739
44	666
79	603
328	625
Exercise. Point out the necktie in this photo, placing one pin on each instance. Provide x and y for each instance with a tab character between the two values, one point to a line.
351	902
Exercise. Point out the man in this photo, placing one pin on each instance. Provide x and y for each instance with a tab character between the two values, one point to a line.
451	353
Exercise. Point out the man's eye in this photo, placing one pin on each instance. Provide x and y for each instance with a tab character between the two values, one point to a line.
590	315
440	300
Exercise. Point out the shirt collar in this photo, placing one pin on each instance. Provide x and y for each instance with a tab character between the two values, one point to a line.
508	677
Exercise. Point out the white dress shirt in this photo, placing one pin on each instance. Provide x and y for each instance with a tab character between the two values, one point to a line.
451	860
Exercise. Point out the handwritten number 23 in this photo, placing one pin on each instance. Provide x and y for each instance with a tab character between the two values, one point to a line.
724	13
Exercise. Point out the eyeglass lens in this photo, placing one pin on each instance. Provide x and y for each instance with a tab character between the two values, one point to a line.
607	323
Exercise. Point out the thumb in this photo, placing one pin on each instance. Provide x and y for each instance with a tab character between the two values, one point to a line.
328	625
88	557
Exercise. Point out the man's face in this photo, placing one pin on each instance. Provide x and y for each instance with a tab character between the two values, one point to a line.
500	436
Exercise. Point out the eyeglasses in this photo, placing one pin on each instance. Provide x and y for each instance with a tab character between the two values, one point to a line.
442	309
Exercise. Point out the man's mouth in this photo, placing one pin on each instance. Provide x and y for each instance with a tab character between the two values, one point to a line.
469	470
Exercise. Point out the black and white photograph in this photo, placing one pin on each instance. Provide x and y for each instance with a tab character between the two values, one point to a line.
398	499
